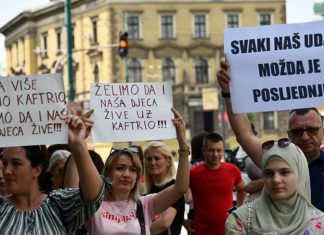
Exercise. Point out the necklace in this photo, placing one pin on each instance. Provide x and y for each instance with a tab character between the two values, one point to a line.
121	207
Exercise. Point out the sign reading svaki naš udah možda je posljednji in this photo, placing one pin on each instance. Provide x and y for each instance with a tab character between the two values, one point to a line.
32	110
276	67
132	111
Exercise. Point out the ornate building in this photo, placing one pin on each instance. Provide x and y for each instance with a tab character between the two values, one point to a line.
181	41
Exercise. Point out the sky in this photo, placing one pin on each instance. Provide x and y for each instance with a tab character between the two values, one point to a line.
298	11
8	11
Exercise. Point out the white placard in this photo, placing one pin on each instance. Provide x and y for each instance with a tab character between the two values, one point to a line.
132	111
276	67
32	110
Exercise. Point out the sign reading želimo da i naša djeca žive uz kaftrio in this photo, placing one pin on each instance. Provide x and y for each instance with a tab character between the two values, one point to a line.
132	111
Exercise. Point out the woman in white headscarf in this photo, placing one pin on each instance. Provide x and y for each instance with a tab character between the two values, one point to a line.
284	206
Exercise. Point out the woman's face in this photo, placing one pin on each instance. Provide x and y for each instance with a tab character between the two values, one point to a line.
18	172
123	174
279	179
155	163
2	182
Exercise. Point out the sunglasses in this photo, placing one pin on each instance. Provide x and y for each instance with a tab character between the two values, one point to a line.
282	143
311	131
130	150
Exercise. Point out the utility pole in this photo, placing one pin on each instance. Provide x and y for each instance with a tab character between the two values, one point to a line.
71	91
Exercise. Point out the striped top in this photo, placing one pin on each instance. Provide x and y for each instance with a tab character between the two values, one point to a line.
61	213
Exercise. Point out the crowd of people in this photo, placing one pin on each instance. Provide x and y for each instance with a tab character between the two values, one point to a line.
68	189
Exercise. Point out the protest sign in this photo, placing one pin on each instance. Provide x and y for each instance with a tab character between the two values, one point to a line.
276	67
132	111
32	110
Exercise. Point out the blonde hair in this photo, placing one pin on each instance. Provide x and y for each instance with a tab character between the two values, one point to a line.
112	158
165	152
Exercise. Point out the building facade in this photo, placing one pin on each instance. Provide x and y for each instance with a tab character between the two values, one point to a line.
181	41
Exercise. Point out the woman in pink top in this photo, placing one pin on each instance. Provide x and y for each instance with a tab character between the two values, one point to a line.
123	211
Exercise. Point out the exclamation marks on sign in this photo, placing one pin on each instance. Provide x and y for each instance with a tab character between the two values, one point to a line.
162	123
57	127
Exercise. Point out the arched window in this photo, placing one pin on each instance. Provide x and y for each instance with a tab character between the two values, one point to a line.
96	73
201	69
134	69
168	70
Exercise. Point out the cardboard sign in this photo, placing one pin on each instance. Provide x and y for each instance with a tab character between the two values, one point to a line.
132	111
276	67
32	110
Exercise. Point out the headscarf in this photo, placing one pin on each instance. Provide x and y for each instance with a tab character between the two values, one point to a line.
56	157
288	216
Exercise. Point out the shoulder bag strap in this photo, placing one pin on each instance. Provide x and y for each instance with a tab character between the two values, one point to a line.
140	217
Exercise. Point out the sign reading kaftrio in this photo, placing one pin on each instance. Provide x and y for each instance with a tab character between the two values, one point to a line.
132	111
276	67
32	110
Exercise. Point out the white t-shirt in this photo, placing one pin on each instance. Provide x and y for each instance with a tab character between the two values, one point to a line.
119	217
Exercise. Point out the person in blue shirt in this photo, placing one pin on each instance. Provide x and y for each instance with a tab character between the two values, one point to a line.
305	130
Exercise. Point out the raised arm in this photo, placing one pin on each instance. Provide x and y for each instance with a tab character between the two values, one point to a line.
90	181
254	186
71	177
170	195
239	122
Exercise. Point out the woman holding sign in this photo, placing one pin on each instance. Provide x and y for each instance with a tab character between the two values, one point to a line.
27	210
123	211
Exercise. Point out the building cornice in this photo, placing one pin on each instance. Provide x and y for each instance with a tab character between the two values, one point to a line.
37	14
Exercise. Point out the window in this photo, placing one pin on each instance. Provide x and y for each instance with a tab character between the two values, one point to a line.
58	40
94	22
44	39
201	70
233	20
168	70
200	26
134	70
72	36
133	27
96	73
265	19
268	120
167	27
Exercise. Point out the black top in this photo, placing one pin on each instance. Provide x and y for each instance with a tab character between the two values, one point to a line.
179	205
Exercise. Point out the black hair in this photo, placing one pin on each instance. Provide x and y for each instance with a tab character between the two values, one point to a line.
196	147
97	160
212	137
38	155
140	153
303	111
52	148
